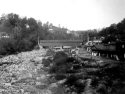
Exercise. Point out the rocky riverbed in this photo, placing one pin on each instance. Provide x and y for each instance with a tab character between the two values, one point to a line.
28	73
23	73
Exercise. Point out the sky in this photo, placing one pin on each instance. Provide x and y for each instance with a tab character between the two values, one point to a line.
72	14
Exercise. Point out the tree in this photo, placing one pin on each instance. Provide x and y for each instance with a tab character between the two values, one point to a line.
114	32
23	31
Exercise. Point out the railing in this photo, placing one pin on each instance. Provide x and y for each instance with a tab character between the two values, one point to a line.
60	42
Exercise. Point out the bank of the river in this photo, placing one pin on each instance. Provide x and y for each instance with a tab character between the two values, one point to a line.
25	73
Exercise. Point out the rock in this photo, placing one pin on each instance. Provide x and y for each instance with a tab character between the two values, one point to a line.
24	75
7	84
46	92
38	83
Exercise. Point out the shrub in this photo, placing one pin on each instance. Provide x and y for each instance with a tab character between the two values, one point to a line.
12	46
36	47
7	46
46	62
50	52
60	76
59	63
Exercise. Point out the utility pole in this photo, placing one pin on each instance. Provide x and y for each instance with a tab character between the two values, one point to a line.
38	39
88	37
38	42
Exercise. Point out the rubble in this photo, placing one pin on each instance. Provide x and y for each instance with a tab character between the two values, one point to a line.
27	73
22	74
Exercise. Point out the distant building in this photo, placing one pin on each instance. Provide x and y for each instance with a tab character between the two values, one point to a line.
75	33
4	35
53	29
91	43
68	31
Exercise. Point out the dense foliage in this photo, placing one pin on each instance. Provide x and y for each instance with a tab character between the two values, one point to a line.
21	34
87	75
17	34
114	32
84	35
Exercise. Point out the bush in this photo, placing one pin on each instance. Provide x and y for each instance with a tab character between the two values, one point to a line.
7	46
50	52
36	47
46	62
76	83
108	79
59	63
64	64
12	46
60	76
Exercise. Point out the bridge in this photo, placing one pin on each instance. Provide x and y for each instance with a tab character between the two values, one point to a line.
52	43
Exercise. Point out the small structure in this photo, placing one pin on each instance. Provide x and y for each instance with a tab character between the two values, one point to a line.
57	43
113	50
56	49
4	35
90	44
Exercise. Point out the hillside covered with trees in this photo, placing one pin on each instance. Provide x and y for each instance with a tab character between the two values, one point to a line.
114	32
22	34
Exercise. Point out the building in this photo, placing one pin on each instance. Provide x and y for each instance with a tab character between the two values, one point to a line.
4	35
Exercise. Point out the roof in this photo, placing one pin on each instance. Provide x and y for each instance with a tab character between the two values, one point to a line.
66	46
60	42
